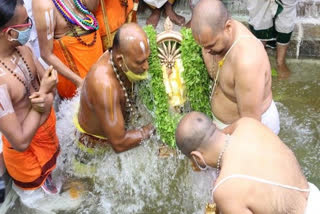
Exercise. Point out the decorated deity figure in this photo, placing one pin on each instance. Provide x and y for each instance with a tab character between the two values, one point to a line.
172	66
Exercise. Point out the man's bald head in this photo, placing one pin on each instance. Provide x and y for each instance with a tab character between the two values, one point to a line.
194	132
130	37
209	13
131	48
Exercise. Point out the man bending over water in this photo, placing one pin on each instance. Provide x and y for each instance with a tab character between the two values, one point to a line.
257	172
105	96
239	65
27	119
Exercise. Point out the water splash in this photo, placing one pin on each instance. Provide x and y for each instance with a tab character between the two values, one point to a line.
136	181
299	38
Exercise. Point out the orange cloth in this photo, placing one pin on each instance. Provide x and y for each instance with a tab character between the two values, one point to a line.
115	17
29	169
77	57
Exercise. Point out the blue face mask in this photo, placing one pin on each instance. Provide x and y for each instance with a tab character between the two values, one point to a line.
23	37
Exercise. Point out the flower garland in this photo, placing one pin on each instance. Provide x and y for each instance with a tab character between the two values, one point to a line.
152	91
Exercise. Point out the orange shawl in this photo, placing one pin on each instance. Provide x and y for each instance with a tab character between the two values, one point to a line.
77	57
29	169
111	15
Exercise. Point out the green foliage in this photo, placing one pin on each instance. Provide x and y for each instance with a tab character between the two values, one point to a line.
153	94
157	100
195	75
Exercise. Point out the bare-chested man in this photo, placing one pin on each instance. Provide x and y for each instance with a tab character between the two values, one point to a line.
239	65
257	173
105	96
27	119
68	39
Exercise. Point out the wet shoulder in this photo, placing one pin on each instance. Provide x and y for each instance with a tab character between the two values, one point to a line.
251	57
101	76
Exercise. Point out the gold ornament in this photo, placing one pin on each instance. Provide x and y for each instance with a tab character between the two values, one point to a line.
211	208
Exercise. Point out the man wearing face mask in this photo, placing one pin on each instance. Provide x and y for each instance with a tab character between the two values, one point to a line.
238	64
27	119
257	172
106	101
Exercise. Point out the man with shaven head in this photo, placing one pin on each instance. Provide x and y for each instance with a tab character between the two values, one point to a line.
27	118
239	65
105	100
257	172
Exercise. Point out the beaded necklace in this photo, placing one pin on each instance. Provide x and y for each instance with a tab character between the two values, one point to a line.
128	104
87	23
221	154
24	83
31	76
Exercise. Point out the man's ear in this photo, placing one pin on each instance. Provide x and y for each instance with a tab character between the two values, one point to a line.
195	155
119	59
10	34
227	26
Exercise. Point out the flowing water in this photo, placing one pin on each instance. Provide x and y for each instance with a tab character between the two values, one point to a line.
139	181
298	103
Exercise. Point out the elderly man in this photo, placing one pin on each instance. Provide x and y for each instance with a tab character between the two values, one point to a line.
239	65
105	100
273	22
27	119
257	172
69	39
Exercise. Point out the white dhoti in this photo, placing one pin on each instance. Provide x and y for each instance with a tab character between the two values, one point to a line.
272	20
269	118
219	124
156	3
313	204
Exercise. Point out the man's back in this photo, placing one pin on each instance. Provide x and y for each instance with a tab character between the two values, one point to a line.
255	153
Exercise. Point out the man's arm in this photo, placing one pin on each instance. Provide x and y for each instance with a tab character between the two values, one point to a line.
42	100
108	109
19	135
231	200
44	16
249	87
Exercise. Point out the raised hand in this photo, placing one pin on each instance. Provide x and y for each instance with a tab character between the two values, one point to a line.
49	80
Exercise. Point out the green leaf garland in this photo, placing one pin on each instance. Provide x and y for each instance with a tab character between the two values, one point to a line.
152	91
195	76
